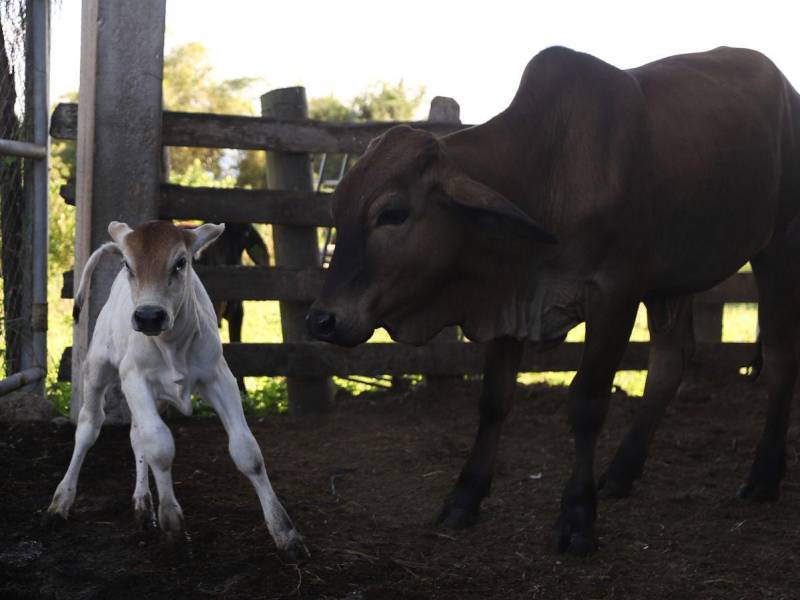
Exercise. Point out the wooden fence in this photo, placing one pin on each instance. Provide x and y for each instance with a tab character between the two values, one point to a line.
310	209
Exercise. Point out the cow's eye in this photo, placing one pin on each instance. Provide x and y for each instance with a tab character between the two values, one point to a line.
180	265
392	216
127	267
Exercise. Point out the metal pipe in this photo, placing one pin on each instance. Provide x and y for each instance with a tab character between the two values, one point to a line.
17	380
40	56
22	149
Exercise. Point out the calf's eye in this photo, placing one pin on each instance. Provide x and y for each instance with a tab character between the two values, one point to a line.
392	216
180	265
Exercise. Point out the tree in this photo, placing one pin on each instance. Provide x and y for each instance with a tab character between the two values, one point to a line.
190	85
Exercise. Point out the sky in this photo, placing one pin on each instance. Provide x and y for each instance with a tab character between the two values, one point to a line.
472	51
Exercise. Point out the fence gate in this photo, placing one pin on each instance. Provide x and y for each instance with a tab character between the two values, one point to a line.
24	48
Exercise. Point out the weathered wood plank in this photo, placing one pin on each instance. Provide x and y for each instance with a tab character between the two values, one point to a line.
256	133
248	283
237	205
303	285
317	359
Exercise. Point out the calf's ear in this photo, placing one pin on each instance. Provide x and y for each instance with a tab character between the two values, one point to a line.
118	231
484	203
202	237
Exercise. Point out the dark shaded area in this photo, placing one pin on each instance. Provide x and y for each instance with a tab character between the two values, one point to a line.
364	484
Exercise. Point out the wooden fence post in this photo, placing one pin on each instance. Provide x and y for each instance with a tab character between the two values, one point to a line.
444	110
295	246
119	147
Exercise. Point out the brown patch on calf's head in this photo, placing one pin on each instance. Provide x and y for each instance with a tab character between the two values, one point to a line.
158	259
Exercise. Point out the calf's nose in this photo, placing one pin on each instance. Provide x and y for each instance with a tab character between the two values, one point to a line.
150	320
321	324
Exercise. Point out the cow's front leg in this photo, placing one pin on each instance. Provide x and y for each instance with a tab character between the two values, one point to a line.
462	506
608	327
95	377
142	499
158	448
223	395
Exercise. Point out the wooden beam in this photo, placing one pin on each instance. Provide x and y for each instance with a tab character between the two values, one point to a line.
303	285
235	205
256	133
317	359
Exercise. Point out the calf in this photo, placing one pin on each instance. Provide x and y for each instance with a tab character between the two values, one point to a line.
157	336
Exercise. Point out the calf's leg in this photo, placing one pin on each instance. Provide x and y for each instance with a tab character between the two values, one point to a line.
462	506
95	379
671	347
158	448
142	499
223	396
608	327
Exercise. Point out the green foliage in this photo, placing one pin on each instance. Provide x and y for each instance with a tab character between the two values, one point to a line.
190	85
386	102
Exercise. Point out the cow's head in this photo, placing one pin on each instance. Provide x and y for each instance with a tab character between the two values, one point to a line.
409	223
157	257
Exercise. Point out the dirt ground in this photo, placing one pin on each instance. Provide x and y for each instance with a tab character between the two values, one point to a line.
364	484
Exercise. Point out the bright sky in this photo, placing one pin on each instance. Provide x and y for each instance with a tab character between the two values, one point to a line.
471	51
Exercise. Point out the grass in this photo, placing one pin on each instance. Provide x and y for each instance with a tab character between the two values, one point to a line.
268	394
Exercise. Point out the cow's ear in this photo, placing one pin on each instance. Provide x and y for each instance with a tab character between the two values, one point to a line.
484	202
203	236
118	231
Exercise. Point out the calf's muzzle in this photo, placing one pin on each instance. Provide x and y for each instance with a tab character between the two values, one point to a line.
150	320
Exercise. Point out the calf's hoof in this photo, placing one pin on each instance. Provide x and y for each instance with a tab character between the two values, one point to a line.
456	514
53	519
759	491
573	534
143	514
294	552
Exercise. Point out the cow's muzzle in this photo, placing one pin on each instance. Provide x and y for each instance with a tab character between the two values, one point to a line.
150	320
321	324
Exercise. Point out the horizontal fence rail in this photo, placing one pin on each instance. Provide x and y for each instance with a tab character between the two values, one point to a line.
313	359
304	285
237	205
256	133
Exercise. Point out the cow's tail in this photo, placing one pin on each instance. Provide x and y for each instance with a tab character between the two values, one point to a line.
86	276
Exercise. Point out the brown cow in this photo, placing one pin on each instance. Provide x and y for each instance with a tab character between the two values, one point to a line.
658	182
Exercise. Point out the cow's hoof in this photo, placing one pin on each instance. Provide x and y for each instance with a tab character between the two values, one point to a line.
569	538
612	487
295	552
456	515
143	514
759	491
52	519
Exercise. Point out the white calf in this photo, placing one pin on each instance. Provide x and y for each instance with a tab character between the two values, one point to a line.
157	334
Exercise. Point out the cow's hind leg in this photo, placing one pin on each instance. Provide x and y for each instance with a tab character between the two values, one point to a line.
462	506
234	312
95	378
223	396
778	282
158	448
671	346
608	326
142	499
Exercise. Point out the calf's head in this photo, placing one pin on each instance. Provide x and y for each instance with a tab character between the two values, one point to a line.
157	257
406	219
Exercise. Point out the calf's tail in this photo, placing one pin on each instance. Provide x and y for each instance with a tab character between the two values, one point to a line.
86	276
